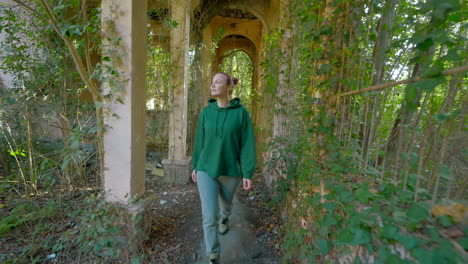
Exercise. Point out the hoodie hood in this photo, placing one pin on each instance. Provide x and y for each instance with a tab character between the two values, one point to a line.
223	113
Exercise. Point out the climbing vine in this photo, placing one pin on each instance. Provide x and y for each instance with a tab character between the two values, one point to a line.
354	191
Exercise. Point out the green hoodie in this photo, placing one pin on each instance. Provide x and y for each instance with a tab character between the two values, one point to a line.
224	141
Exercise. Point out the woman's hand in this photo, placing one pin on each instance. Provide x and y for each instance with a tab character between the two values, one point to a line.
247	184
194	176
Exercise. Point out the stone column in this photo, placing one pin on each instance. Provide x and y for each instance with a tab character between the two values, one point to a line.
283	117
178	166
207	64
255	92
124	31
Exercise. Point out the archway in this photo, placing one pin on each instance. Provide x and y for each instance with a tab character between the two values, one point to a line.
239	64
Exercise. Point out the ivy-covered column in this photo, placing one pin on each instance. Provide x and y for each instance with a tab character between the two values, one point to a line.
283	116
177	167
124	87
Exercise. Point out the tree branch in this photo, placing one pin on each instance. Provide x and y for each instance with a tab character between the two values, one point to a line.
453	71
30	9
76	57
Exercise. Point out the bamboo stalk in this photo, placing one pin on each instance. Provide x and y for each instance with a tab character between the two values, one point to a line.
443	152
381	112
362	165
10	145
396	164
370	136
32	173
413	138
453	71
450	182
420	168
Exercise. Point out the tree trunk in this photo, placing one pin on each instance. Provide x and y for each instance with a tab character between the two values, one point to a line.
4	163
431	128
384	35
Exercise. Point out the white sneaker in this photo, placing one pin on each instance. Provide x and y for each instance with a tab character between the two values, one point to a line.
223	227
214	258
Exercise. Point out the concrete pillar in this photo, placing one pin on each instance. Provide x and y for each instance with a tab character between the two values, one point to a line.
207	64
177	167
283	116
124	31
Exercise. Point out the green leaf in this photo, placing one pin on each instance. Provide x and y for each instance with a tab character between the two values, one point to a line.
345	196
344	237
417	213
408	242
65	162
393	259
330	220
445	220
390	231
429	84
445	172
411	93
452	55
353	236
464	243
363	194
442	118
361	236
422	255
425	44
324	246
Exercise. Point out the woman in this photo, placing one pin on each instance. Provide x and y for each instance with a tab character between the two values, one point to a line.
223	156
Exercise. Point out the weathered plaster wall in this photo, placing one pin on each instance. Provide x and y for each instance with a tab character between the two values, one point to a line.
5	77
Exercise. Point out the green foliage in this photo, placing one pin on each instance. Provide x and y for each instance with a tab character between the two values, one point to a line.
334	204
238	64
44	99
85	230
357	211
106	230
27	213
158	77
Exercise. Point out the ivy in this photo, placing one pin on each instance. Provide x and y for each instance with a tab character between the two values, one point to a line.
333	205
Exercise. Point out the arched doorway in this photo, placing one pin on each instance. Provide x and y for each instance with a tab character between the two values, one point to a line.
239	64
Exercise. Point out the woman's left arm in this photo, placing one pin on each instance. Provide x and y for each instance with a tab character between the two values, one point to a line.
246	184
247	155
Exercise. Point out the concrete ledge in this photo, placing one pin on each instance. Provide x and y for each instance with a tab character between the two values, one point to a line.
177	171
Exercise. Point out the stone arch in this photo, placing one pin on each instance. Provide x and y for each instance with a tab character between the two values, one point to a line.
245	44
232	42
208	9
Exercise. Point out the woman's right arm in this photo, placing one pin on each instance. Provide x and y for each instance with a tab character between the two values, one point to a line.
198	145
194	176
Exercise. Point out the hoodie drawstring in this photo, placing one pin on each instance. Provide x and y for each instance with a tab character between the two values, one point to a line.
222	124
216	127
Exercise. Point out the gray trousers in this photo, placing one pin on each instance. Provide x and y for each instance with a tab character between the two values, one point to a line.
216	197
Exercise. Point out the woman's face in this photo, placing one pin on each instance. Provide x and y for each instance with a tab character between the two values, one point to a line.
218	86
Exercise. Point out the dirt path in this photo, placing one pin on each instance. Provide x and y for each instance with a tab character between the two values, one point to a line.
240	244
177	235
